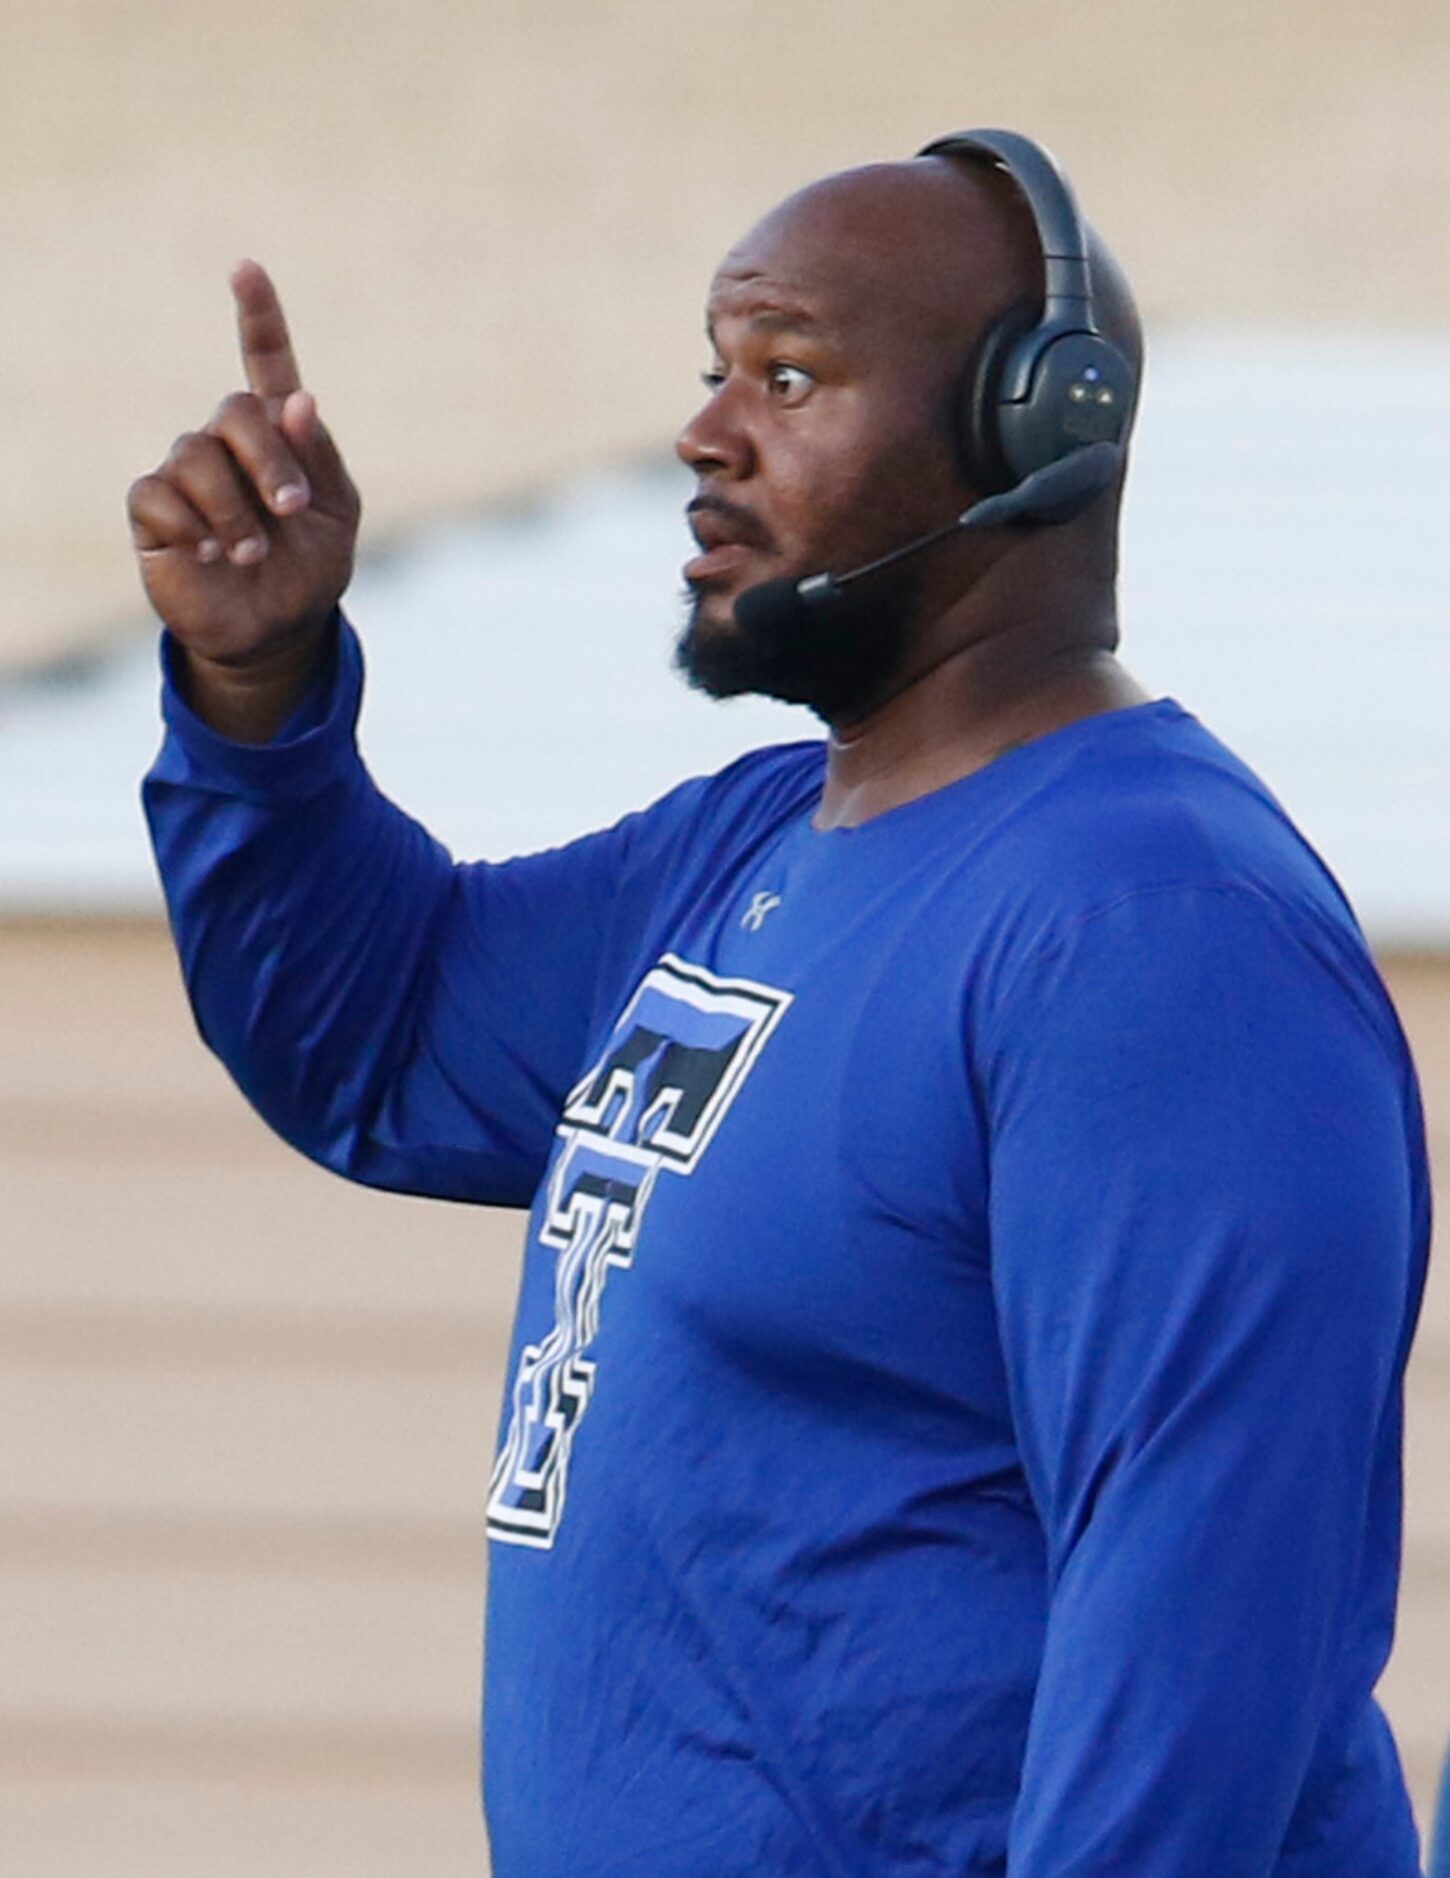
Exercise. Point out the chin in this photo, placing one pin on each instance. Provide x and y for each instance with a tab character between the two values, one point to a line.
837	667
710	651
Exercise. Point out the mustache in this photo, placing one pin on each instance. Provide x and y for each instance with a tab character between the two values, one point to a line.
745	526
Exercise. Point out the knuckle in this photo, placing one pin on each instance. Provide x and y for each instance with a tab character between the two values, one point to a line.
238	407
233	519
150	495
191	447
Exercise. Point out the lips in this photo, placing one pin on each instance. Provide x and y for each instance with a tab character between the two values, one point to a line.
716	564
726	533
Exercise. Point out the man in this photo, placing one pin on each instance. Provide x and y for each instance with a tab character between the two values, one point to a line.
979	1199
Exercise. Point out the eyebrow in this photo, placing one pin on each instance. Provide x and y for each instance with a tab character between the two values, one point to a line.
778	320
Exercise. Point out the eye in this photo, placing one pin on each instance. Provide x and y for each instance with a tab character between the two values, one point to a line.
713	377
788	383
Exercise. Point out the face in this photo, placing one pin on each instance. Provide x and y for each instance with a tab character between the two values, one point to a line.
822	444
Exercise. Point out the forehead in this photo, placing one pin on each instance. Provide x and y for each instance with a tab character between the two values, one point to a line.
928	249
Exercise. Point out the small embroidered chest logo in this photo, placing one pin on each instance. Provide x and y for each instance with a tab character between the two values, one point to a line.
753	918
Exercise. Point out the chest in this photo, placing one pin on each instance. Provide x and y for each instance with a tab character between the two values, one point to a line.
778	1132
768	1186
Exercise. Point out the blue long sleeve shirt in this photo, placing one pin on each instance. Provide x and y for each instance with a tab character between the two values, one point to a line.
955	1406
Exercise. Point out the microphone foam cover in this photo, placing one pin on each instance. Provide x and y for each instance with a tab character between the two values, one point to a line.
772	608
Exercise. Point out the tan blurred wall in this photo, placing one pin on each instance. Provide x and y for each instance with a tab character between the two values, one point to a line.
249	1416
494	222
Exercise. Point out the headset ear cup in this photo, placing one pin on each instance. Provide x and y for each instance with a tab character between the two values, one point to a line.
1073	389
980	454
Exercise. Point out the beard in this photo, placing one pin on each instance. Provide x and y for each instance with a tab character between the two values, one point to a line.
839	658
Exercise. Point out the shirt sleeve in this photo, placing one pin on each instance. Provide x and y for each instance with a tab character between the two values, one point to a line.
1204	1220
406	1021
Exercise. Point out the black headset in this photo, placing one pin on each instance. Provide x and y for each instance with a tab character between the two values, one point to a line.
1045	383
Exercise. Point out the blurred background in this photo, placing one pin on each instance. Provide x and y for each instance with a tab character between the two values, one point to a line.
251	1412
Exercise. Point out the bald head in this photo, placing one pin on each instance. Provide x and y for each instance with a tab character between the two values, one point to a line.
929	247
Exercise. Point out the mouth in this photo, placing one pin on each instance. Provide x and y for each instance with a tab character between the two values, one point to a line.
727	536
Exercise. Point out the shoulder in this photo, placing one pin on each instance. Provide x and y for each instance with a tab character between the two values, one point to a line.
1144	856
1147	801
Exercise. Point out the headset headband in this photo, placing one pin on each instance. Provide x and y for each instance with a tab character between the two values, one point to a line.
1045	388
1067	284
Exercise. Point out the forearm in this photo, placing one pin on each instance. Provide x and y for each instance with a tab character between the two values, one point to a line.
302	905
1199	1678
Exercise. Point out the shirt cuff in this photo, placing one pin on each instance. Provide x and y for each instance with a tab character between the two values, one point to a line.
315	747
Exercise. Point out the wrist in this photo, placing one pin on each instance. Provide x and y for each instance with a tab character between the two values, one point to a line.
248	700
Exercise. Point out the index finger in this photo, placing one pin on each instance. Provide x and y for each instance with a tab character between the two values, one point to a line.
267	355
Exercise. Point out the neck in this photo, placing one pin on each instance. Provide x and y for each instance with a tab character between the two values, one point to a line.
971	695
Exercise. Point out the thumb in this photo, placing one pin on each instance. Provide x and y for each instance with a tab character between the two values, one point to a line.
318	454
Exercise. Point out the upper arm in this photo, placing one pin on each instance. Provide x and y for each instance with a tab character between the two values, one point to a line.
1204	1220
1199	1178
500	1015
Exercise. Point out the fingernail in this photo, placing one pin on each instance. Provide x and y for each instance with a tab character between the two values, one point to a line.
209	550
290	496
247	552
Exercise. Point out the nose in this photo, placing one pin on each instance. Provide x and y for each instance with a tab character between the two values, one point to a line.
714	442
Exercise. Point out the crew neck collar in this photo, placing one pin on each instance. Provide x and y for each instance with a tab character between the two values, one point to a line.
1049	745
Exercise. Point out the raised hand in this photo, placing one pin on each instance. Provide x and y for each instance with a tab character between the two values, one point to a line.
246	533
